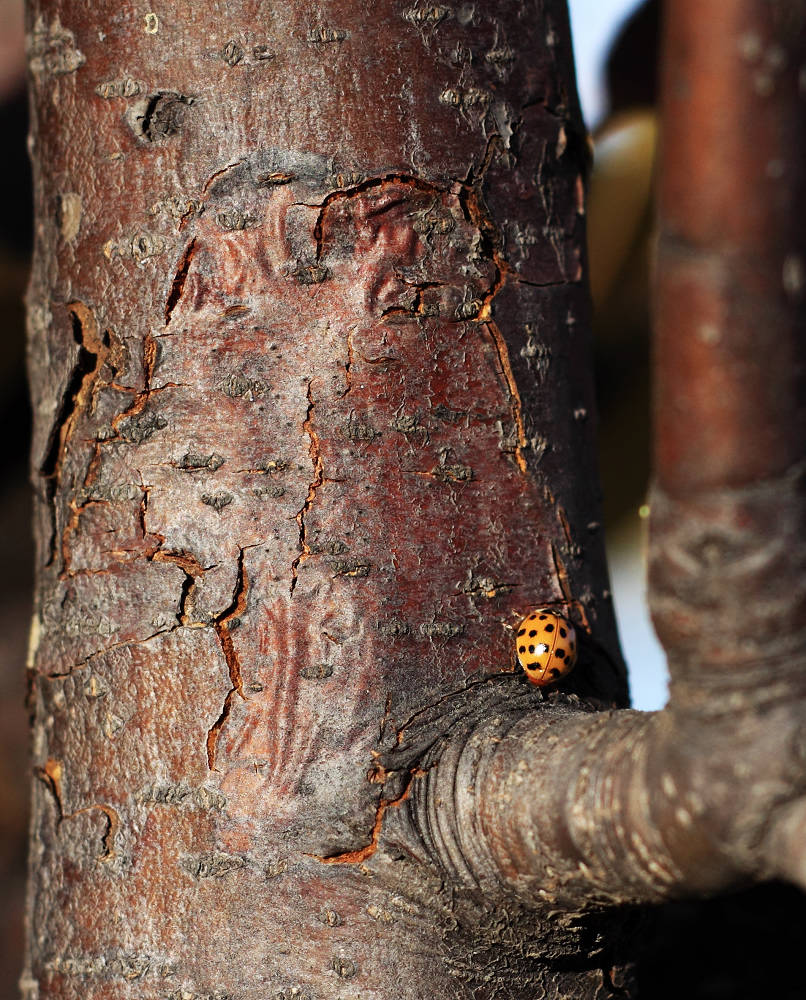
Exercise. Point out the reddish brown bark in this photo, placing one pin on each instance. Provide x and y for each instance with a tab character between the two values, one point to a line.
309	354
707	794
729	389
310	357
731	307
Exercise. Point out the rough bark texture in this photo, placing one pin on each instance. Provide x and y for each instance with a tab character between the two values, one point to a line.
309	354
313	427
709	793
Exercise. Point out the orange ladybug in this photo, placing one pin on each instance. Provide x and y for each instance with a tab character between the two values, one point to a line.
547	647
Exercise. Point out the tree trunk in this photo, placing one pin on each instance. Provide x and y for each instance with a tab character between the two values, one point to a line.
309	352
309	356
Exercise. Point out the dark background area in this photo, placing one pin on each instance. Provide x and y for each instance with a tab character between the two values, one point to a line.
16	549
746	945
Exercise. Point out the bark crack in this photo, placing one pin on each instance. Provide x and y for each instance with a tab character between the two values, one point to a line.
361	854
316	482
475	212
221	625
562	576
417	307
357	189
192	569
516	404
348	366
123	644
137	433
136	407
92	350
50	774
180	277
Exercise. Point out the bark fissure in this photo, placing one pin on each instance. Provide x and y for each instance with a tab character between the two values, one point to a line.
136	407
222	626
475	211
118	433
51	777
561	573
502	351
192	569
417	307
96	653
76	398
349	364
361	854
180	277
318	478
75	392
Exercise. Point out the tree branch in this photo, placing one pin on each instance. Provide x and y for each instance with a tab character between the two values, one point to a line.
577	809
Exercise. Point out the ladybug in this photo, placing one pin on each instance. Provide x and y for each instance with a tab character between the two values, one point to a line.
547	647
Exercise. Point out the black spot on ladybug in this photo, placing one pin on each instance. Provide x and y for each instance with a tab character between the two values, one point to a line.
533	633
522	632
543	618
531	649
521	649
549	628
554	672
563	633
560	654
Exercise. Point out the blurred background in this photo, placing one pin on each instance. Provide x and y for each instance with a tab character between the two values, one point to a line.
616	43
16	550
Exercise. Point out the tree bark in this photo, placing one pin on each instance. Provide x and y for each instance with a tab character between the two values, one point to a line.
707	794
309	352
310	361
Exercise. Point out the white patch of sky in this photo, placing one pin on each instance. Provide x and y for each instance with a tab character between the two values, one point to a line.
594	24
646	661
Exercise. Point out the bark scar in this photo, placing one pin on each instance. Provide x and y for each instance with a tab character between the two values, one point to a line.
417	183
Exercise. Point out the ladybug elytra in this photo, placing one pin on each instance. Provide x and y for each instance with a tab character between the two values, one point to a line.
546	647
